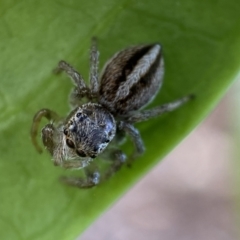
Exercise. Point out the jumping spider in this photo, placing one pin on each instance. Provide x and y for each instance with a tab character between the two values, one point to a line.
130	80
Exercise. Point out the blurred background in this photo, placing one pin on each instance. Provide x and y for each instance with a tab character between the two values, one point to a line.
191	194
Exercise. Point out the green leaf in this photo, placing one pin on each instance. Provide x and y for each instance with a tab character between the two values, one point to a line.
201	41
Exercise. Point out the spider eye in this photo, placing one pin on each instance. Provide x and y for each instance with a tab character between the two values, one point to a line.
70	143
80	153
65	131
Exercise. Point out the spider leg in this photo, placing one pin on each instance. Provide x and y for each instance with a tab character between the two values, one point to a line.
72	164
50	115
135	136
94	55
157	111
77	98
118	158
72	73
82	89
92	179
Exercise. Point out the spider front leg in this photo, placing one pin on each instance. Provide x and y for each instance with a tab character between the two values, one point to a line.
51	116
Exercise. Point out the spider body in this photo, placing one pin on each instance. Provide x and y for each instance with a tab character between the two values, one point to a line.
130	80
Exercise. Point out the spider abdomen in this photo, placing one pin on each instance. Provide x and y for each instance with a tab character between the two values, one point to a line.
131	78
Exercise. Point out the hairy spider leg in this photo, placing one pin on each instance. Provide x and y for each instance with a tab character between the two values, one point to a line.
94	61
159	110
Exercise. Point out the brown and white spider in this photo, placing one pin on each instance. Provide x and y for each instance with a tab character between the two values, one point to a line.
129	81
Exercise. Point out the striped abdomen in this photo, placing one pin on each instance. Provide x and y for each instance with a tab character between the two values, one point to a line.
131	78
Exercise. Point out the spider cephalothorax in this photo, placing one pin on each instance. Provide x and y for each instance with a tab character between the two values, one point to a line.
89	130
